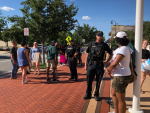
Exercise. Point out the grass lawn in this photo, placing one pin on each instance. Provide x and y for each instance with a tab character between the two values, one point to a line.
42	66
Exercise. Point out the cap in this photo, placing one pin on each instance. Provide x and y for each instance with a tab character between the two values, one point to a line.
71	40
120	34
99	33
53	41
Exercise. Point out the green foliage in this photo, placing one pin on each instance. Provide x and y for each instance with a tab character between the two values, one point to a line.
85	32
131	34
146	30
113	43
45	19
42	66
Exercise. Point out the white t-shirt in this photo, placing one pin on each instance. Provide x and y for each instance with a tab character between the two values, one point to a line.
123	69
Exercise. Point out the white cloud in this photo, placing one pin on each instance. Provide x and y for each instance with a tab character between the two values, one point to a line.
7	8
72	0
86	17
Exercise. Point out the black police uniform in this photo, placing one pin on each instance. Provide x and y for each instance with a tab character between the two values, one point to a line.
96	53
71	50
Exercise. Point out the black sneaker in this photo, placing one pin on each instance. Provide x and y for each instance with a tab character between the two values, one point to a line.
97	98
55	80
76	79
87	97
71	78
110	102
112	106
48	80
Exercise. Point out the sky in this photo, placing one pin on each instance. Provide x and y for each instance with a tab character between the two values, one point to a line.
97	13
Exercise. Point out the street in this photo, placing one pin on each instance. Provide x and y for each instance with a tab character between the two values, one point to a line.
5	63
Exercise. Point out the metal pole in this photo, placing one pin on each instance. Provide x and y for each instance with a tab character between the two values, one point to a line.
26	41
64	37
138	44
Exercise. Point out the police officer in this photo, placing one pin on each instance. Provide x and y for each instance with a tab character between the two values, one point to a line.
72	52
95	63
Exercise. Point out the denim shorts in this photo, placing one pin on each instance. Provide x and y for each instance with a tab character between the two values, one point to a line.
120	83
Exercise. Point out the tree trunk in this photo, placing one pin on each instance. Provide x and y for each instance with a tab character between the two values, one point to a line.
6	44
43	53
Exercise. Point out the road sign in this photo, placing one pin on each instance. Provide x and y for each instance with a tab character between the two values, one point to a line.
67	39
26	31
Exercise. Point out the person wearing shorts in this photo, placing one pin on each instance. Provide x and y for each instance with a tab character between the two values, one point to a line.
145	56
120	68
52	54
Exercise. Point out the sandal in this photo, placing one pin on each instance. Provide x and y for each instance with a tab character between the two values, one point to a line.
142	92
35	73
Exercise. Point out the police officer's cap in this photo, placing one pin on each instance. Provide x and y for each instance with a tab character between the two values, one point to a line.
71	40
53	41
100	33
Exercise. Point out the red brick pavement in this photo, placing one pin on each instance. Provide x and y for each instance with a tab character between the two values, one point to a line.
42	97
38	96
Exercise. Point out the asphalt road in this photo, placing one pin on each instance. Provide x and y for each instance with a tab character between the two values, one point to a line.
5	63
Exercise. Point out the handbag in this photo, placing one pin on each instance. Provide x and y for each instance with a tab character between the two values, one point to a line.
133	73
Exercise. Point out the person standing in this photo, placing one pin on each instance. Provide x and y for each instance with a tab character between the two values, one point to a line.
145	56
29	66
72	52
13	54
52	58
23	60
96	51
35	49
120	69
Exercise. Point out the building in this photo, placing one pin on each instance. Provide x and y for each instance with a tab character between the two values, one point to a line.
117	28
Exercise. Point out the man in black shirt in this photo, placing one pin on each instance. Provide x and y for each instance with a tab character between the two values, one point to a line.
13	54
96	51
72	52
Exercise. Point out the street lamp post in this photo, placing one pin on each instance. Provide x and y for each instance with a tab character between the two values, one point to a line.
115	25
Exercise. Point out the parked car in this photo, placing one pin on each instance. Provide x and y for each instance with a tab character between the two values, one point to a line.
45	47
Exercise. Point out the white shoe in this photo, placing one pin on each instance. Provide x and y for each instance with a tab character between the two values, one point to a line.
25	82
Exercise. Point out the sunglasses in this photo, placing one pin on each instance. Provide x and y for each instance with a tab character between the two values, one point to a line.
100	35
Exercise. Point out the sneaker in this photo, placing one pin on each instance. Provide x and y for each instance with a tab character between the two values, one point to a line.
97	98
55	80
71	78
25	82
50	74
48	80
76	79
87	97
110	102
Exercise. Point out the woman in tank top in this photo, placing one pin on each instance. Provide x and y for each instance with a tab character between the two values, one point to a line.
23	60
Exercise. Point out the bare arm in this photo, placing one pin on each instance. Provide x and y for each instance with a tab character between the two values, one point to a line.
115	62
26	53
110	57
66	55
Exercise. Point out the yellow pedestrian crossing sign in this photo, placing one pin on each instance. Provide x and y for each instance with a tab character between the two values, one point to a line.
67	39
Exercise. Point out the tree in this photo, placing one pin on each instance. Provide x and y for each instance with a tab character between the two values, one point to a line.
85	32
45	19
146	30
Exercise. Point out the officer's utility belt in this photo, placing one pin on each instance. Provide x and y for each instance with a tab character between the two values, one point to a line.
96	62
